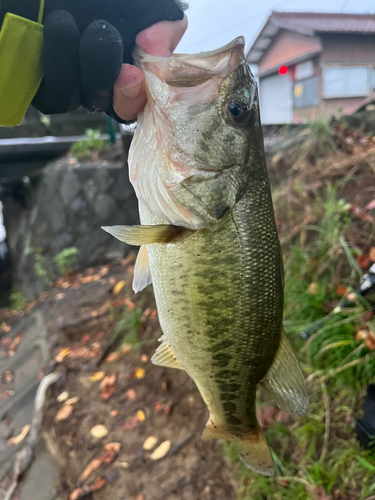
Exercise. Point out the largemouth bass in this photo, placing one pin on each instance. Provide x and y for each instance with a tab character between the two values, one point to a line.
209	241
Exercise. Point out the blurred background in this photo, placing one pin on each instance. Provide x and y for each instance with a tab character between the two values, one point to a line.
116	426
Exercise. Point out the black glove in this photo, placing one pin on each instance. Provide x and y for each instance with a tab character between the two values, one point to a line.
85	43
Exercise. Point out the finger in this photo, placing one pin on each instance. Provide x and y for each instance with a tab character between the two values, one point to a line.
129	94
162	38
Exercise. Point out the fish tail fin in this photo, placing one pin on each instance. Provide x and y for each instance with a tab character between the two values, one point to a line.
252	447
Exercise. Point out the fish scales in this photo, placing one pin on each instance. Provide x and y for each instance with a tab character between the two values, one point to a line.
210	244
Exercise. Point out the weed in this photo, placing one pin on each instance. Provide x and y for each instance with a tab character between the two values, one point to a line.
17	300
130	326
40	265
91	144
65	260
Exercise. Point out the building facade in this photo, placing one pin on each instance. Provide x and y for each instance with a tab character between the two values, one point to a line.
314	64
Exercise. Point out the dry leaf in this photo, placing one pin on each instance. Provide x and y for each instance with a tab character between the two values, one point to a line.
139	373
118	287
114	413
362	334
129	304
372	254
140	497
64	413
161	451
141	416
313	288
63	354
98	484
97	377
108	380
363	261
150	443
72	401
99	431
107	392
144	358
20	437
123	465
131	394
61	398
113	447
59	296
131	423
370	205
125	349
86	339
93	465
77	494
341	290
114	356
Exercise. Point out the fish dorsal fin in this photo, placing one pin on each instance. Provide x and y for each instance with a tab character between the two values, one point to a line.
252	447
143	235
142	272
284	381
164	356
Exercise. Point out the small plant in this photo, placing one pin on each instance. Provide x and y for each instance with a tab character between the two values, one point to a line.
40	265
65	260
130	325
91	144
17	300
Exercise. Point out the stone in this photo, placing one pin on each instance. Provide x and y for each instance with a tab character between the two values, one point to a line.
104	207
123	188
90	189
70	187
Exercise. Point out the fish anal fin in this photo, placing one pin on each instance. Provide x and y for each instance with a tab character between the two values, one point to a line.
284	381
164	356
144	235
252	447
142	273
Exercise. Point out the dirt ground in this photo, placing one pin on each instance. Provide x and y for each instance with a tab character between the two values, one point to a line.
115	385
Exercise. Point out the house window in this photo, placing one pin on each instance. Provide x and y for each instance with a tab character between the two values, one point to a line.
306	93
304	70
346	81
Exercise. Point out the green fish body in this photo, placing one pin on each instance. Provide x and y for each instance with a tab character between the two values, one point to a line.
214	256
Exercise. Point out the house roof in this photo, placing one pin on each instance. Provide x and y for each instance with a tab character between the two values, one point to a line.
310	24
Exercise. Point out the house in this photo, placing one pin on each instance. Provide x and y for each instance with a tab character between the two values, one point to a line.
314	64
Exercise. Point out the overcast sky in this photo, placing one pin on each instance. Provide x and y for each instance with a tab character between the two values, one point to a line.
212	23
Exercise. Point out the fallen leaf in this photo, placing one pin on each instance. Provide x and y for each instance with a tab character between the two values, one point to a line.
266	415
313	288
341	290
114	413
77	494
370	205
98	484
129	304
141	416
113	447
108	380
97	377
150	443
81	352
158	406
320	494
62	354
72	401
118	287
362	334
140	497
139	373
64	412
131	394
93	465
86	339
363	261
61	398
109	453
131	423
107	392
60	296
21	436
161	451
114	356
144	358
122	465
372	254
125	349
99	431
9	376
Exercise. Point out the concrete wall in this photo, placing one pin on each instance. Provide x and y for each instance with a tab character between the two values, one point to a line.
66	208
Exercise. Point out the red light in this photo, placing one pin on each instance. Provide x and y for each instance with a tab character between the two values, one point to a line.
283	70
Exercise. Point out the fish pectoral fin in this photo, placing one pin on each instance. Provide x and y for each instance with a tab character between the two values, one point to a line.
142	272
252	447
284	381
145	235
164	356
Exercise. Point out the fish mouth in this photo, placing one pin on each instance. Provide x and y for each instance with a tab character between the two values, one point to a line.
191	70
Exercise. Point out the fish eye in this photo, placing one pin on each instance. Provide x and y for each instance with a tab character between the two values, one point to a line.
237	110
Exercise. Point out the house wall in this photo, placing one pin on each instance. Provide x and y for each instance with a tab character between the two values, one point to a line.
288	46
344	49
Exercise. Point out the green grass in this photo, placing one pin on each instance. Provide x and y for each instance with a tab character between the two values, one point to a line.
317	453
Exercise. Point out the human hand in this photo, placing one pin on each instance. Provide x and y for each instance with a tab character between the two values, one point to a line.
161	39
